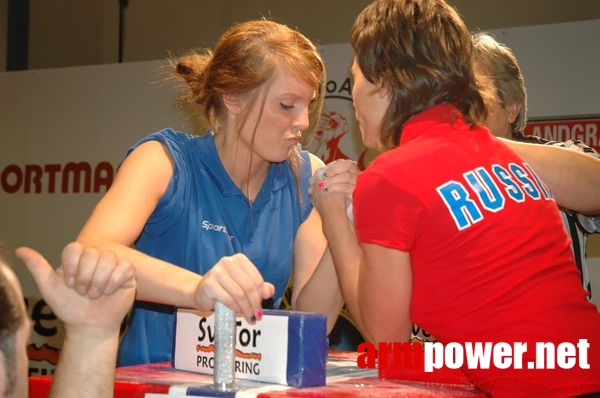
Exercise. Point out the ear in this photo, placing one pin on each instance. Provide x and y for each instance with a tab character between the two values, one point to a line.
233	103
513	112
384	92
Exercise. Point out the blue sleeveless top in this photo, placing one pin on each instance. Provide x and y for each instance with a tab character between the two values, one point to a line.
204	216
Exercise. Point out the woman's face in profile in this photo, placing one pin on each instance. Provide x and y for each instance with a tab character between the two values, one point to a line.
370	104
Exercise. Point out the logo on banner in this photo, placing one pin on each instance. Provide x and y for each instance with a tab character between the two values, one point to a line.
260	349
337	136
46	338
70	177
246	353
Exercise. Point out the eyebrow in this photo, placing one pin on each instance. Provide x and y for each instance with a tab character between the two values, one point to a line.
290	95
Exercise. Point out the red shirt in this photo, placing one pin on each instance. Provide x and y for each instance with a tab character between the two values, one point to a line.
488	258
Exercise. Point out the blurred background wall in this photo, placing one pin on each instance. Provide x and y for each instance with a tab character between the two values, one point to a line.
59	33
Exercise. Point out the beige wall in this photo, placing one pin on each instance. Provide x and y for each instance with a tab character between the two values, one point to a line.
85	32
69	32
594	246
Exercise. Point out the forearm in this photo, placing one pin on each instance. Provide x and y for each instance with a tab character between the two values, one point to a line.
321	293
347	256
86	365
572	176
325	290
385	290
157	281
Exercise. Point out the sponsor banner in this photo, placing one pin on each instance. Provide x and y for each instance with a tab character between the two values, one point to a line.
260	349
584	129
63	135
284	347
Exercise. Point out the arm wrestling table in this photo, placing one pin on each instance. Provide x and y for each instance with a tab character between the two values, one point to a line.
344	379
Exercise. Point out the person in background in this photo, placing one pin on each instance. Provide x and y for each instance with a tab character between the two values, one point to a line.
224	216
92	320
436	213
505	94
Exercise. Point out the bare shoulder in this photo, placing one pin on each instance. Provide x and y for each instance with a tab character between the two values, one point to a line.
151	151
148	167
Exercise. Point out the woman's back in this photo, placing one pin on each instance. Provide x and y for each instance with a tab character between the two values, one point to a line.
473	217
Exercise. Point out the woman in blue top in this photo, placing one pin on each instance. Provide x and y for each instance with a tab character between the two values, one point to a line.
224	216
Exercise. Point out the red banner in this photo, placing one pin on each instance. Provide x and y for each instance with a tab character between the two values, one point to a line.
582	129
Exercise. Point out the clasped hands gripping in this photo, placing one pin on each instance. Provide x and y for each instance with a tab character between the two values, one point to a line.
332	186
